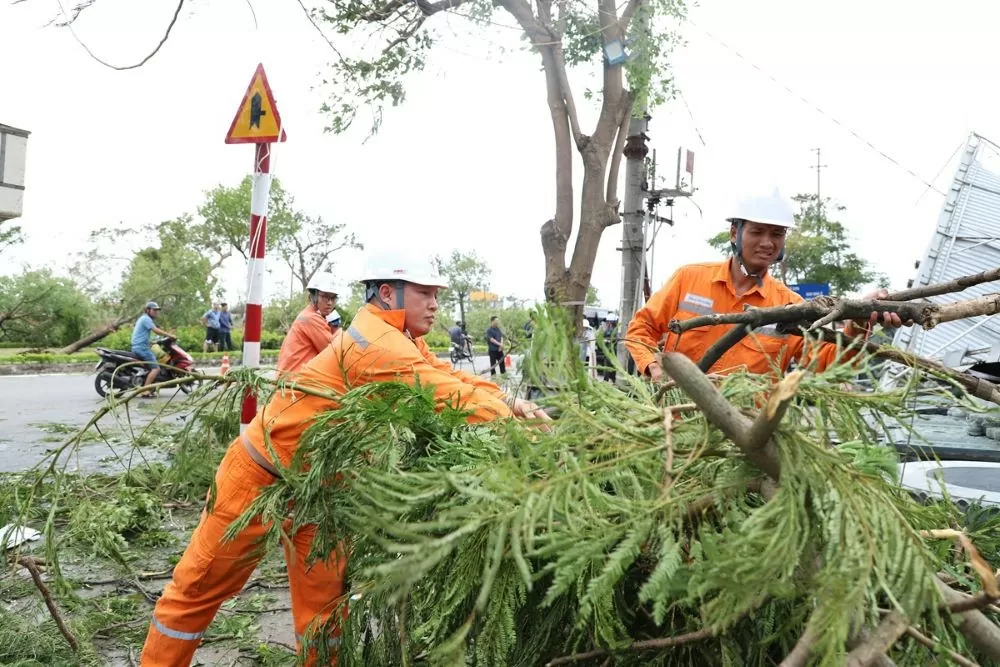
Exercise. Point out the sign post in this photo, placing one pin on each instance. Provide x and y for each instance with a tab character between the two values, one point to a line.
257	122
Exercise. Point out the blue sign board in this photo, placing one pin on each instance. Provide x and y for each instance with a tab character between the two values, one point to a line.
811	290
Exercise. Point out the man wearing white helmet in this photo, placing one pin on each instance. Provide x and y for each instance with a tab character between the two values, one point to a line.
757	235
309	333
383	344
333	319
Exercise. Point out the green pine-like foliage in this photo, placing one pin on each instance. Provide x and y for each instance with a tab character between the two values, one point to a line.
500	544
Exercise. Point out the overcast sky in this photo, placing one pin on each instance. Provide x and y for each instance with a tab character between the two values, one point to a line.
467	161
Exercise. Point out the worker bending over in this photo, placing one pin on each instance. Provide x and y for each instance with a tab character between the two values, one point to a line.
383	344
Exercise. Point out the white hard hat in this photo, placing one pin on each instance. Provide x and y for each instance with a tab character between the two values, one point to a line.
586	323
322	281
770	209
390	267
333	318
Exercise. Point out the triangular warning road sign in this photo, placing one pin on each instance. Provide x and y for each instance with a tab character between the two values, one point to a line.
258	120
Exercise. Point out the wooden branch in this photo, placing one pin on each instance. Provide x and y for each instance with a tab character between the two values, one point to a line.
627	15
777	404
956	285
925	314
802	650
888	632
721	346
977	601
981	633
918	636
977	387
635	647
611	196
29	564
567	94
720	412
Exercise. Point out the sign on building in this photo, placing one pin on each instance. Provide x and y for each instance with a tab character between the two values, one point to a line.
811	290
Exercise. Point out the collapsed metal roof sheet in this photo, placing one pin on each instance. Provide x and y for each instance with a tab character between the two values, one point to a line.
966	241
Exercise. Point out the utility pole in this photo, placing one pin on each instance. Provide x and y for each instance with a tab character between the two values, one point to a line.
819	168
633	214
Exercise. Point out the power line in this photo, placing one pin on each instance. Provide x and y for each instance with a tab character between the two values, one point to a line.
69	24
815	107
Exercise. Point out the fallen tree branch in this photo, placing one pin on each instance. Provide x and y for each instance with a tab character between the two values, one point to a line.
635	647
983	634
977	387
721	346
927	315
888	632
799	655
956	285
921	638
777	404
720	412
31	566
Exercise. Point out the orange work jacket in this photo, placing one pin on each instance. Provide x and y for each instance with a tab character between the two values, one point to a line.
707	289
373	349
308	336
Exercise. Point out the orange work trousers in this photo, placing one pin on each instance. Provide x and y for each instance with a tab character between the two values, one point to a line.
212	571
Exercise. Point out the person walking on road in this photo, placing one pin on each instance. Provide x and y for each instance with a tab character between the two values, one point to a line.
225	327
142	347
384	343
310	333
494	343
211	321
757	233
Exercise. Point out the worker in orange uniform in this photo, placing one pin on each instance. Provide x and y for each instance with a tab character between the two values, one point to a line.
757	234
309	334
384	343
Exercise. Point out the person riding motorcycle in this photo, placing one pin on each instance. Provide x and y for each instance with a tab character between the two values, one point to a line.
309	334
757	233
142	346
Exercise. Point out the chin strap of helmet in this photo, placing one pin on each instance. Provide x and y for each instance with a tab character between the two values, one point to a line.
737	248
371	292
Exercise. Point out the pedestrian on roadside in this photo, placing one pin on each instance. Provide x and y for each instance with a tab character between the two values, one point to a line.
494	344
211	321
384	343
225	327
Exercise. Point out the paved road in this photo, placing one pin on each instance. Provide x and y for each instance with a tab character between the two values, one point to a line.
38	412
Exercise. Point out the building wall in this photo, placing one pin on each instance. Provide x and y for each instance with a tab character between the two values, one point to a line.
13	154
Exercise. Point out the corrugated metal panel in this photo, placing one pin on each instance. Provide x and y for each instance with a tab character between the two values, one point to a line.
966	241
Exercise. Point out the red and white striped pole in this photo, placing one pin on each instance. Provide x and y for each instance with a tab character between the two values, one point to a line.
255	300
257	122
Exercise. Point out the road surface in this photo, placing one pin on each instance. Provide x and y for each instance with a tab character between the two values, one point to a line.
41	411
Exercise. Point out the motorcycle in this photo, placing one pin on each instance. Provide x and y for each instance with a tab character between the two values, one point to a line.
119	371
463	351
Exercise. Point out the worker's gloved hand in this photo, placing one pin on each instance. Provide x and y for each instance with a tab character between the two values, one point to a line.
528	410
